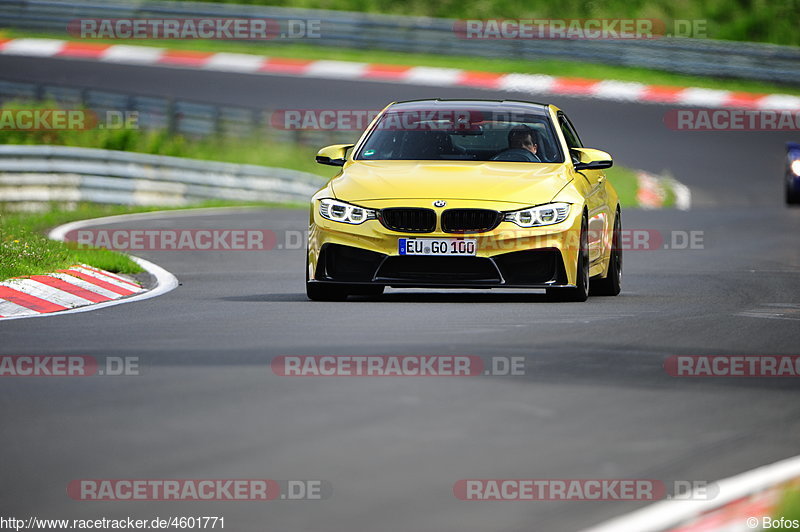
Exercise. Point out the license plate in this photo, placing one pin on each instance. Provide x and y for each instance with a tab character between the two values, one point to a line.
452	247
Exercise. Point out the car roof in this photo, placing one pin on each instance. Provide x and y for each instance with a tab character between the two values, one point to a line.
489	105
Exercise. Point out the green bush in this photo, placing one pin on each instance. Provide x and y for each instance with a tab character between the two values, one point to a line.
738	20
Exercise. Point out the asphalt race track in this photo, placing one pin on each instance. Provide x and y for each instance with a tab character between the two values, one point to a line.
595	401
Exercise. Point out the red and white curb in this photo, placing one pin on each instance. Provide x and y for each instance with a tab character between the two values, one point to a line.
415	75
742	504
80	288
652	192
77	286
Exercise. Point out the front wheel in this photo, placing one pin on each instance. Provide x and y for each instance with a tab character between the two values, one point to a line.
580	293
612	283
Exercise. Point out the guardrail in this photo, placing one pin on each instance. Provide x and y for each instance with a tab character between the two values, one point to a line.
194	119
43	174
428	35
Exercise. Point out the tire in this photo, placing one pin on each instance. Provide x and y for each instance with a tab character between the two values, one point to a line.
611	284
580	293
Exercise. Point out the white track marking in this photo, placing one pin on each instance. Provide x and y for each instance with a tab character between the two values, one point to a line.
440	77
619	90
123	53
531	83
33	47
336	69
779	101
235	62
703	97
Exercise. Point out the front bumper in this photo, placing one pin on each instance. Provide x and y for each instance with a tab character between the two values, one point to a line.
540	268
507	257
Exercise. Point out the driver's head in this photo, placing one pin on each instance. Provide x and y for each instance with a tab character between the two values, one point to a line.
524	137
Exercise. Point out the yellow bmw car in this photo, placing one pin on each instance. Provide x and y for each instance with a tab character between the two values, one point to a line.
465	194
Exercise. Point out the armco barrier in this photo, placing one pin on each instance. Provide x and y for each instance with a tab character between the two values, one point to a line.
188	118
35	174
430	35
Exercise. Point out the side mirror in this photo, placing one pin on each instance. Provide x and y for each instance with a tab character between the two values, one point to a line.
333	155
591	159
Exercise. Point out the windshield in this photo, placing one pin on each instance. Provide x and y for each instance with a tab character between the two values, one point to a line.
460	135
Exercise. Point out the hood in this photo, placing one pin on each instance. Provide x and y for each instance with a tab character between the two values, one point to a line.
524	183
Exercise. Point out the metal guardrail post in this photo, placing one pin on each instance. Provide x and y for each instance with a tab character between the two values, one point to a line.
172	117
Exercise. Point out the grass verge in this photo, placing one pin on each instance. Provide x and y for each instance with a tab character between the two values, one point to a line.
789	507
25	250
626	184
541	66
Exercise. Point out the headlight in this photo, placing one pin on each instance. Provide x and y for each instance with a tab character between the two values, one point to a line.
549	214
339	211
795	166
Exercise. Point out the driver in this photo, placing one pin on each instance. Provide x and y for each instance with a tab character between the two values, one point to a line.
523	143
